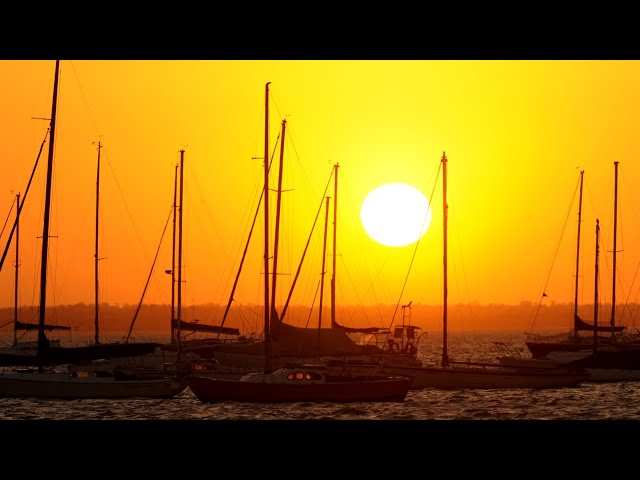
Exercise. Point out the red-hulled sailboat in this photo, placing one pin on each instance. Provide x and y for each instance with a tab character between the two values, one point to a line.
300	383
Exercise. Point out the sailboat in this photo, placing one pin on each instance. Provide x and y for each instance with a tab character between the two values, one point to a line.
309	383
541	346
459	375
19	348
24	353
335	343
73	379
617	359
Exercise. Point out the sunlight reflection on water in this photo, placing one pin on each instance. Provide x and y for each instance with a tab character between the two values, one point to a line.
589	401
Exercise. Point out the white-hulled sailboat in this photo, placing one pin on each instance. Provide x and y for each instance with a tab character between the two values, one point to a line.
90	379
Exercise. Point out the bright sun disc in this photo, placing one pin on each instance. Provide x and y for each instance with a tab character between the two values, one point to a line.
395	214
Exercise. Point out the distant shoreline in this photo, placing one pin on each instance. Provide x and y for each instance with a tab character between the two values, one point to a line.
115	319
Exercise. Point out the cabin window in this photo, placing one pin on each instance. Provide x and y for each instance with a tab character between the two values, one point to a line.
304	376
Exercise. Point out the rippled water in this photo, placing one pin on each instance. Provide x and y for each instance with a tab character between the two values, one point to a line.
589	401
617	401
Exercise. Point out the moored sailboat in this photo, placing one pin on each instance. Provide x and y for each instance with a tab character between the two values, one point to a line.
454	375
540	346
26	353
67	379
310	383
610	358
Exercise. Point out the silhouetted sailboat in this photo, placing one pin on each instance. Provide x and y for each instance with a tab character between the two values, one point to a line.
541	346
25	353
72	379
18	348
182	333
311	383
618	358
452	375
335	343
610	358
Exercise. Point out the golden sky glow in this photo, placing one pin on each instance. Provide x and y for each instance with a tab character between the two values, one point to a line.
516	134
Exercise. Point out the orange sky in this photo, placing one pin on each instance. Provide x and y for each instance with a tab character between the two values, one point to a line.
516	134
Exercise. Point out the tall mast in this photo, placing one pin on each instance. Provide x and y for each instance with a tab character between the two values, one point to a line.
445	208
173	258
595	293
575	301
96	324
43	341
267	311
615	251
324	256
335	235
179	313
273	321
15	299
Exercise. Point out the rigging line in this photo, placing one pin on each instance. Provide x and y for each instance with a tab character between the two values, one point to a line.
246	247
464	277
346	269
8	216
149	277
84	98
126	207
413	255
295	279
24	197
313	302
5	324
305	176
626	306
208	245
546	283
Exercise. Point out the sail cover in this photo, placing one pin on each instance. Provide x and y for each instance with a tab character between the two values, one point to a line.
582	325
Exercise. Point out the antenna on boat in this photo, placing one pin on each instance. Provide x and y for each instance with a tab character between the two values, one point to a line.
267	311
615	251
445	208
15	306
97	337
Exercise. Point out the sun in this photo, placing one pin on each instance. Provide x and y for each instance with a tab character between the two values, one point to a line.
395	214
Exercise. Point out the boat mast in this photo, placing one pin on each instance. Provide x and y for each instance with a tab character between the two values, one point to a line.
15	293
615	251
595	293
43	342
335	235
324	256
96	324
173	258
445	208
575	301
274	321
267	311
179	308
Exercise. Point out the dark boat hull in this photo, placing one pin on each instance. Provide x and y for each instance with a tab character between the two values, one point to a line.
63	355
612	357
217	390
55	385
490	376
542	349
